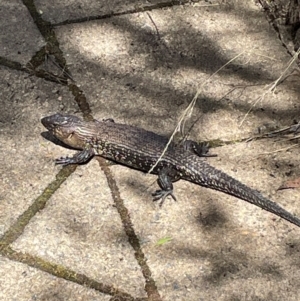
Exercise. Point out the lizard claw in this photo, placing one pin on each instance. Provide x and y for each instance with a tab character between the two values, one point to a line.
79	158
161	195
63	161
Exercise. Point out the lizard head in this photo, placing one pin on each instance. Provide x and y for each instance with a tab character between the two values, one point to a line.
63	127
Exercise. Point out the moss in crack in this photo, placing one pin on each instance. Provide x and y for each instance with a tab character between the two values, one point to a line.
18	227
63	272
218	142
47	31
81	101
38	59
38	73
11	64
52	47
137	9
150	287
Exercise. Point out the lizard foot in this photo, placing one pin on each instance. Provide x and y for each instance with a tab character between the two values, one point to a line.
200	149
79	158
161	195
64	161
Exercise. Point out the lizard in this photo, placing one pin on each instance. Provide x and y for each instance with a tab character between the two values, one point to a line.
140	149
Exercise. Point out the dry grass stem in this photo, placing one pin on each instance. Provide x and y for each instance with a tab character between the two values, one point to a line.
273	86
188	111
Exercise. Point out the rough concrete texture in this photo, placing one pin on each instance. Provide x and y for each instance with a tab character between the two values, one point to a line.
92	232
31	284
19	37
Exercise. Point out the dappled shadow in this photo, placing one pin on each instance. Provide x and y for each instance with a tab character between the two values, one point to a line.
184	48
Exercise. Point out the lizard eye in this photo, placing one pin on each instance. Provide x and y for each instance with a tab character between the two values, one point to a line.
65	121
60	122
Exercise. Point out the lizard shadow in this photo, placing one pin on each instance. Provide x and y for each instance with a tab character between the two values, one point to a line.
48	136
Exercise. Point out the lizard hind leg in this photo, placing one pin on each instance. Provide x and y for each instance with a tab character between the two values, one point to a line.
165	178
200	149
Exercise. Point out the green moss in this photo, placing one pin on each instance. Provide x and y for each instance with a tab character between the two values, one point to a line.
18	227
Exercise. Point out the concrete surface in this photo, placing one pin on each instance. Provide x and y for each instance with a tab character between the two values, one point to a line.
91	232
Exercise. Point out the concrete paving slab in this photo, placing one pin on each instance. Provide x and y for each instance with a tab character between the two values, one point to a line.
33	284
80	229
24	172
19	37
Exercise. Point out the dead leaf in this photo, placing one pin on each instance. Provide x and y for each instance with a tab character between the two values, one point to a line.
290	184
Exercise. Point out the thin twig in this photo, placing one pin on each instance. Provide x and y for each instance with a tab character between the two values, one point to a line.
63	71
158	35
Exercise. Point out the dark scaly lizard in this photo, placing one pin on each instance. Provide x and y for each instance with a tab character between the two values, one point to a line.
140	149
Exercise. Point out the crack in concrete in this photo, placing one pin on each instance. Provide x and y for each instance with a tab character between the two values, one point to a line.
65	273
39	204
150	286
137	9
52	48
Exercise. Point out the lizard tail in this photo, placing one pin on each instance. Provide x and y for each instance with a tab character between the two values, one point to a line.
210	177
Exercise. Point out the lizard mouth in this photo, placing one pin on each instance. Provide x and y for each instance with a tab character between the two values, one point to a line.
47	123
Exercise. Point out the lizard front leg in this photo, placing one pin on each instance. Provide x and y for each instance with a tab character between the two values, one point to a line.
78	158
